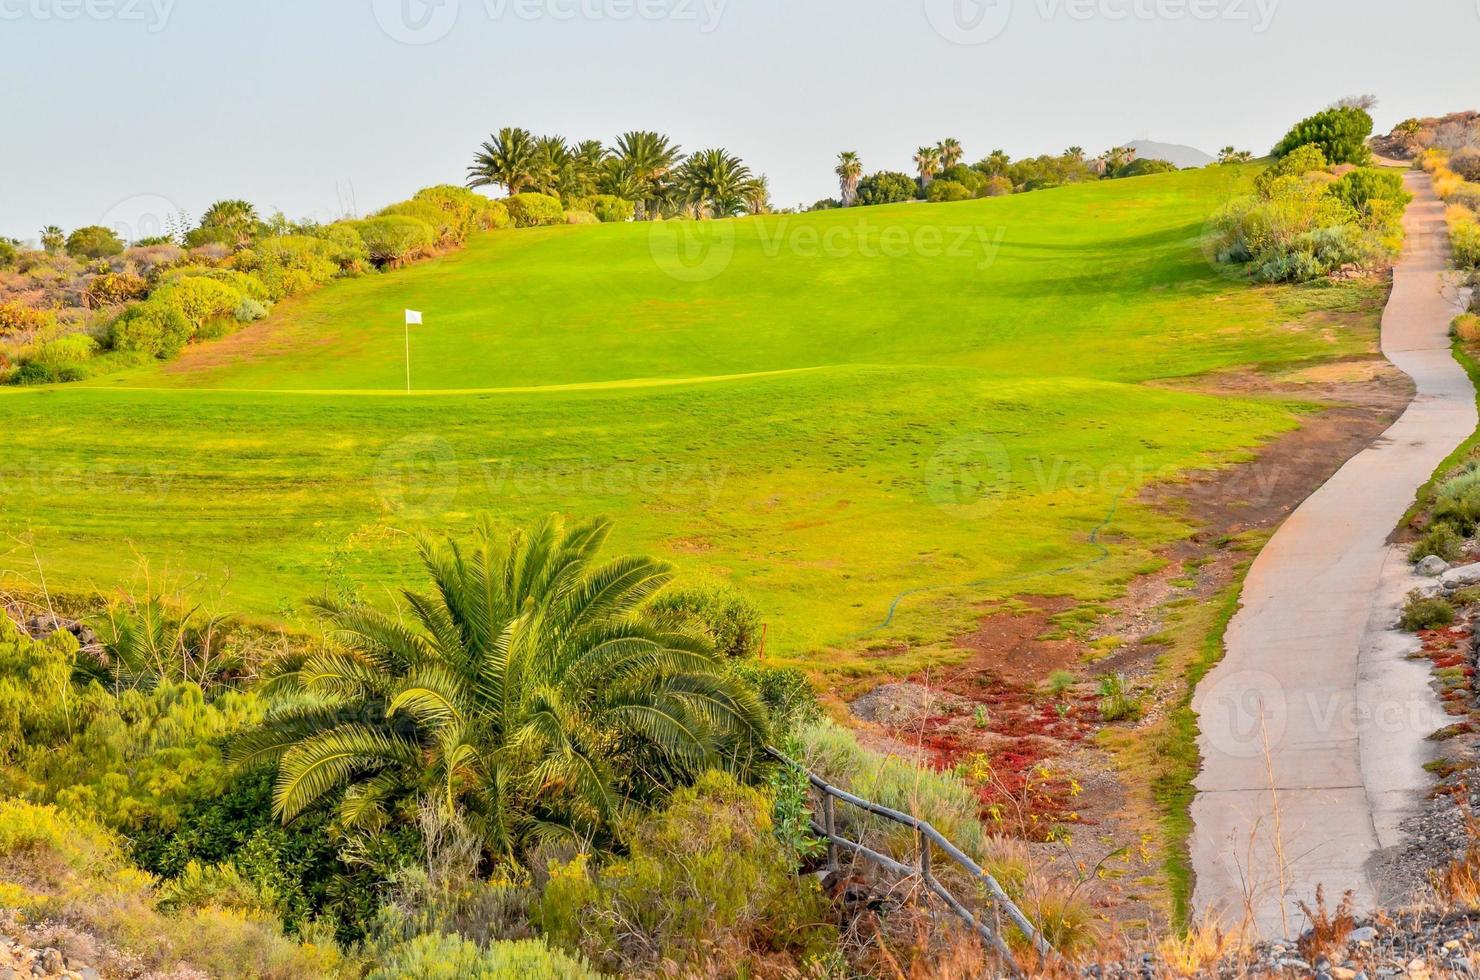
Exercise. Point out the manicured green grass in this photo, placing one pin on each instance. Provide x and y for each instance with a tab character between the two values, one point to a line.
877	416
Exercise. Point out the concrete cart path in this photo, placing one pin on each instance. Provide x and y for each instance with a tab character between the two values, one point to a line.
1314	724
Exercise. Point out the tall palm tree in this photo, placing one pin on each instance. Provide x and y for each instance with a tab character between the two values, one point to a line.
509	159
588	161
850	172
714	181
553	166
53	239
927	160
529	694
950	153
650	157
1075	153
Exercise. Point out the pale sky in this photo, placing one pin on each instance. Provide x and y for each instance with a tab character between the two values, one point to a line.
117	111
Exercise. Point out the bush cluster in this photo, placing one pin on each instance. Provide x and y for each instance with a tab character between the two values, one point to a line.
1305	222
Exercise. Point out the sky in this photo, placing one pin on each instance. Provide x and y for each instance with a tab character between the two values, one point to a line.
123	112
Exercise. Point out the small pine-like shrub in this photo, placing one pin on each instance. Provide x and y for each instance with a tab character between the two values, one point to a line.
1340	133
528	210
1426	614
1439	541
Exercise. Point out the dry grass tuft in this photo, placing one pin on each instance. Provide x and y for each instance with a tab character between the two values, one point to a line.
1328	929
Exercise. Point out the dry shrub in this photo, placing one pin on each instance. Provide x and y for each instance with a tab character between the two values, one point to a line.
1328	929
1457	885
1203	946
1467	327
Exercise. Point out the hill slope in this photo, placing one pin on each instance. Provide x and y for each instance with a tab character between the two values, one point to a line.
865	418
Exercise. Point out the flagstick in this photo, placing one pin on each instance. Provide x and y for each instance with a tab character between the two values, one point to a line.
408	356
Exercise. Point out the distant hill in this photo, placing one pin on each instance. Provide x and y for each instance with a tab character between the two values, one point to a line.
1182	156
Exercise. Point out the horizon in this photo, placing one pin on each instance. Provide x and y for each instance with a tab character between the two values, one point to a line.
348	107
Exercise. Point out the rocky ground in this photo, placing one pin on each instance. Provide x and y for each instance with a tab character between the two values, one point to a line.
18	961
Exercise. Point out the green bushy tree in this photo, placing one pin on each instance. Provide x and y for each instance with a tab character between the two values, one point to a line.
1340	132
93	242
886	187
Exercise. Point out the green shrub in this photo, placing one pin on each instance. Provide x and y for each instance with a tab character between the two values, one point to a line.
581	218
886	187
968	177
997	187
1426	614
1457	503
69	350
1299	162
291	264
1464	237
393	240
219	886
157	329
1340	133
947	190
249	310
113	288
347	248
786	692
1440	541
707	879
1117	701
449	228
468	210
719	612
443	957
1361	188
529	209
93	242
609	208
8	254
1147	166
203	301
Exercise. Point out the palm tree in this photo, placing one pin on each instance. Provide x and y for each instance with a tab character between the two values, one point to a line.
231	222
850	172
1230	154
927	159
950	153
757	194
714	181
528	694
53	239
587	163
1075	153
509	159
650	157
553	166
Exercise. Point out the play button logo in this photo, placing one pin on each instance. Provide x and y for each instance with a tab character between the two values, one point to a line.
969	21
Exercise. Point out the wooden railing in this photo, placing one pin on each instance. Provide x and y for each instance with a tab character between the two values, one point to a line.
926	838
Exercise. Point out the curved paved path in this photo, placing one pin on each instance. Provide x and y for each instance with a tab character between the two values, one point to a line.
1314	724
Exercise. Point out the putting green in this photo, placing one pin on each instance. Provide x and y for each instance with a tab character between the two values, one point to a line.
870	419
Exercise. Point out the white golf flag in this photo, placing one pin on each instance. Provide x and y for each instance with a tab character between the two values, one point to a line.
413	318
